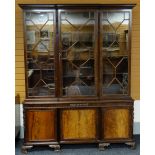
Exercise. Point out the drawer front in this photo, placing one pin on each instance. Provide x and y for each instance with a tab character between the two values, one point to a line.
116	123
78	124
40	125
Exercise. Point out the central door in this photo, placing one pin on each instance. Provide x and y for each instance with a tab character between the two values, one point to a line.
77	46
78	124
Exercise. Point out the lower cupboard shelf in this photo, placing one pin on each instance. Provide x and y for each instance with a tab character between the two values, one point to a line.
46	124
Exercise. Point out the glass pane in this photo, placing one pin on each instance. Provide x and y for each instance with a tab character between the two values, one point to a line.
40	53
77	48
114	30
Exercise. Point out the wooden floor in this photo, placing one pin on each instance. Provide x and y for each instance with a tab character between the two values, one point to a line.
87	149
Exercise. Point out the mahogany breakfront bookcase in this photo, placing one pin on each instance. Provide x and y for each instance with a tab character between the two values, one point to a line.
77	65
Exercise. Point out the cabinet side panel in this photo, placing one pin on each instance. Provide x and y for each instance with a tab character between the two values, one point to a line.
116	123
78	124
40	125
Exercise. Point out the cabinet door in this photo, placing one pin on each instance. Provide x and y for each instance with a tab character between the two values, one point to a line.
40	125
39	52
115	52
116	123
78	124
78	45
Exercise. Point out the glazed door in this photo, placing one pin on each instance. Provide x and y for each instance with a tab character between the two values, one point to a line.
115	52
78	52
40	52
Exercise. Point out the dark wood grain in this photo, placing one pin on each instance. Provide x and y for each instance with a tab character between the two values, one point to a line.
40	125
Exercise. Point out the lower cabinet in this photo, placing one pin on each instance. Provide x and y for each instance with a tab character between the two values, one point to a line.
103	124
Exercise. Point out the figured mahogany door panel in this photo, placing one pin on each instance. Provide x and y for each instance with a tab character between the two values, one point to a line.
116	123
40	125
78	124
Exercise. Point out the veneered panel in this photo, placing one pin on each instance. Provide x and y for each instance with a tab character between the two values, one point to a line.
78	124
40	125
116	123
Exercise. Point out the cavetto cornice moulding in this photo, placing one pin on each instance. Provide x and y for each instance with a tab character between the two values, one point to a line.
99	6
